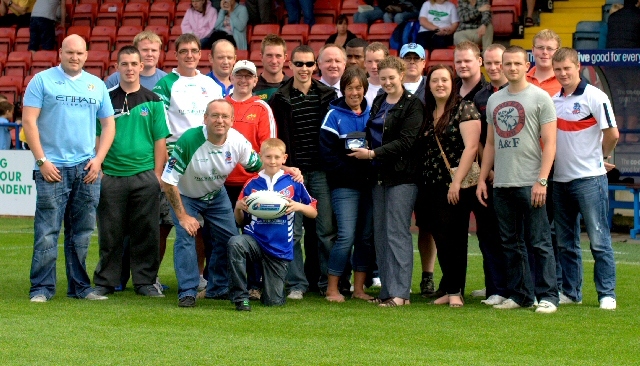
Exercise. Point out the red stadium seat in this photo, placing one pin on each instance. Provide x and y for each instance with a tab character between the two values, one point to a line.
83	31
125	36
110	14
170	62
316	45
3	59
359	29
258	33
7	38
503	19
256	58
18	63
320	32
242	55
162	13
43	60
381	32
181	8
442	56
350	7
84	14
96	63
11	87
161	30
135	14
295	32
103	38
22	40
176	31
27	79
326	11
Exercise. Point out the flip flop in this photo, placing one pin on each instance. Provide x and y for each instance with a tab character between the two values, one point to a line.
391	303
456	305
528	22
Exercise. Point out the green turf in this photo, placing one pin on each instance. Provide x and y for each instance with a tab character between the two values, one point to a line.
132	330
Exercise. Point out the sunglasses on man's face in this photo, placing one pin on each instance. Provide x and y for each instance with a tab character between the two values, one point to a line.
300	63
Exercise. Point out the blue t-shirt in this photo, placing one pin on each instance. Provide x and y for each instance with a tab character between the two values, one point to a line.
147	81
275	237
377	124
5	136
68	107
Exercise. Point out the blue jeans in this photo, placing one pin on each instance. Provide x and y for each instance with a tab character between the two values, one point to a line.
74	202
587	197
368	17
293	9
515	213
219	226
316	184
354	215
399	17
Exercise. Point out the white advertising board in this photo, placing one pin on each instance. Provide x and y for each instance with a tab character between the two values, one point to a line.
17	188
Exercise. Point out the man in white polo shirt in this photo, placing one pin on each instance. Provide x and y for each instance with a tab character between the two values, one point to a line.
193	182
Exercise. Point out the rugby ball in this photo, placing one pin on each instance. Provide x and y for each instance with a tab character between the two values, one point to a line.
267	205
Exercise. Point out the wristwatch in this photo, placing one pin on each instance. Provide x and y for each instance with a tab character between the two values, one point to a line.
543	181
41	161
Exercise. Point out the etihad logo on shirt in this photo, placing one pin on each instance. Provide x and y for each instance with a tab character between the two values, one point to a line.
72	100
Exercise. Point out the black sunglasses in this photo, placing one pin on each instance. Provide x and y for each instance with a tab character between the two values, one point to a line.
307	64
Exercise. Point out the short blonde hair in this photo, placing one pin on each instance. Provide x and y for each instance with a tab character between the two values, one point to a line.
147	35
273	143
566	53
468	45
547	34
377	46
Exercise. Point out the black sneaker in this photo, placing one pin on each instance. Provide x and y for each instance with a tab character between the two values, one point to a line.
187	302
224	296
243	305
427	287
148	290
103	290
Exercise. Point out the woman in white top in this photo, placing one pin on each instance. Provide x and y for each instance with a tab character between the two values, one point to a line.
438	21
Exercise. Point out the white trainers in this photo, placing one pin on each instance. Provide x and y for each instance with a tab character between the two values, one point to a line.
39	298
376	282
494	300
566	300
606	303
295	295
95	296
479	293
507	304
546	307
203	284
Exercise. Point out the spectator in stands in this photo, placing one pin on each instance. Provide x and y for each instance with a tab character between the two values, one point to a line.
475	23
391	11
528	20
232	24
149	44
342	35
129	193
200	20
6	115
624	26
394	123
350	182
438	22
15	13
66	159
332	61
42	26
373	54
355	52
260	11
299	106
294	7
580	180
222	59
274	53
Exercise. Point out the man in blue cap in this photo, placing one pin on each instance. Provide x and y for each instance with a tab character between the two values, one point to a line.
413	56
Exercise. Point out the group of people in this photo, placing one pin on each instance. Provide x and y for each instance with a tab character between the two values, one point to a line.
357	153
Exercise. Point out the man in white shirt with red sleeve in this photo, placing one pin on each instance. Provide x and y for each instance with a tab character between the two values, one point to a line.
587	134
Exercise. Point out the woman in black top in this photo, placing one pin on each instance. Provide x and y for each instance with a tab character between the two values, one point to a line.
456	125
343	35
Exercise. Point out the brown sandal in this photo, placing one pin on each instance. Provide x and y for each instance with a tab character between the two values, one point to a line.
456	305
391	302
375	300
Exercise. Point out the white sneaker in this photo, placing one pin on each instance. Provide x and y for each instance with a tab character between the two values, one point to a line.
39	298
535	303
566	300
494	300
479	293
606	303
203	284
507	304
94	296
376	282
546	307
295	295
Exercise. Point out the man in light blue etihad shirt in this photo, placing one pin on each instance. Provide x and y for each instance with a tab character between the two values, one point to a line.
61	106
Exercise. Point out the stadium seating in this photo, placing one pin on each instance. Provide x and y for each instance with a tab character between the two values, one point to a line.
256	58
135	14
18	63
84	14
103	37
181	9
161	30
3	59
162	13
295	33
96	63
7	38
258	33
381	32
110	14
326	11
359	29
126	33
588	35
320	32
242	55
22	40
442	56
176	31
170	61
83	31
42	60
11	87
